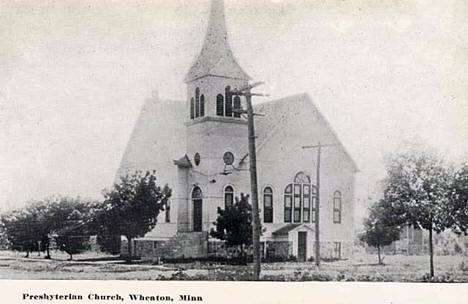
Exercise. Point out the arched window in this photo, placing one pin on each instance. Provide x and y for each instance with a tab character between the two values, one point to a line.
168	212
287	203
197	193
237	106
197	200
337	207
228	102
268	205
306	203
301	178
228	196
219	105
197	102
299	200
192	108
202	105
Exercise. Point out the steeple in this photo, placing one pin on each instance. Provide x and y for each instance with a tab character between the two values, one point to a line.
216	58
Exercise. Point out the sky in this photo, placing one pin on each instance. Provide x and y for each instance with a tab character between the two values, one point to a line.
74	76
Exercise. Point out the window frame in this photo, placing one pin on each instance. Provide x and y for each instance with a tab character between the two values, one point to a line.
228	190
192	108
219	105
197	102
202	105
268	210
288	194
337	250
167	213
337	198
228	102
237	106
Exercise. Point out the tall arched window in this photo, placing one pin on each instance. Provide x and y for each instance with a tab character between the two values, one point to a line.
197	102
228	102
168	212
337	207
219	105
306	203
299	199
228	196
192	108
197	200
287	203
202	105
237	106
267	205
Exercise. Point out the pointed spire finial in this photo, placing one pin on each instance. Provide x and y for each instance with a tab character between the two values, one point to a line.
216	57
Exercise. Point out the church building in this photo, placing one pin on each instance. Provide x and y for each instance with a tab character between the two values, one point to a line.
199	147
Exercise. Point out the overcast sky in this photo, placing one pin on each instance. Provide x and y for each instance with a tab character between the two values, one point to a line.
74	75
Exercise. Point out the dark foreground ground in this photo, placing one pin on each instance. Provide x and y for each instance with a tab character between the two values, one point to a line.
362	267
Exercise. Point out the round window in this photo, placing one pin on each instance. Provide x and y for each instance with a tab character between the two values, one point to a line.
197	159
228	158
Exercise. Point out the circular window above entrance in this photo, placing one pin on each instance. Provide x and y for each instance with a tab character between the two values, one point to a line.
228	158
196	158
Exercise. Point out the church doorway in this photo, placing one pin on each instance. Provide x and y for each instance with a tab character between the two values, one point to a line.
302	246
197	209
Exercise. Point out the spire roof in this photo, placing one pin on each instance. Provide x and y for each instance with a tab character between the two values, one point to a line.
216	57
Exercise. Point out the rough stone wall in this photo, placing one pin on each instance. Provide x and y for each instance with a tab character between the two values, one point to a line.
183	245
278	249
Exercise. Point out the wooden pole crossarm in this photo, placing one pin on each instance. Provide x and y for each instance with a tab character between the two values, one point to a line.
242	93
319	145
250	86
240	111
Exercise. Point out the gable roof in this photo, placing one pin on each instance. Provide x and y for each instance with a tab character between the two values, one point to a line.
216	57
183	162
157	137
285	229
279	112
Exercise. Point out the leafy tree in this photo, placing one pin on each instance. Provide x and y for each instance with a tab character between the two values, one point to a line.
459	206
74	235
234	224
40	220
418	186
19	228
132	206
65	219
380	227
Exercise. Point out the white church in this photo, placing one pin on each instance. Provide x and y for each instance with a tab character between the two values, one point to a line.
199	147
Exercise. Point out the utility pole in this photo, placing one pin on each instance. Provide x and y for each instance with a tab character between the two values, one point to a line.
319	147
245	91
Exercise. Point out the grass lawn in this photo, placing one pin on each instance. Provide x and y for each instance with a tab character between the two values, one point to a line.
362	267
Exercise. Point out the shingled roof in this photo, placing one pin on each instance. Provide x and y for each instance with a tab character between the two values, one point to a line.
216	57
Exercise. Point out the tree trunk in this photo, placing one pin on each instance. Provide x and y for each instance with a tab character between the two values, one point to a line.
27	254
378	253
71	256
47	250
431	252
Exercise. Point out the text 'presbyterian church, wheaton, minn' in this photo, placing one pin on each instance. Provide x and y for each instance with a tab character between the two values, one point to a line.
199	147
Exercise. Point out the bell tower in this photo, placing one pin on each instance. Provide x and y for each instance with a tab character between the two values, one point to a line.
216	132
213	72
